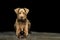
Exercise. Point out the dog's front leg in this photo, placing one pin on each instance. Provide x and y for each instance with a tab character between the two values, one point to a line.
18	31
26	30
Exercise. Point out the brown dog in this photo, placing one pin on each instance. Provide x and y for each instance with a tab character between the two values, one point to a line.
22	24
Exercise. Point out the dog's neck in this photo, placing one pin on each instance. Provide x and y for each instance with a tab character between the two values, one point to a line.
21	21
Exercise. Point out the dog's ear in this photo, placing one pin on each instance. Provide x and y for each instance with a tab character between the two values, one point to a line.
26	10
16	10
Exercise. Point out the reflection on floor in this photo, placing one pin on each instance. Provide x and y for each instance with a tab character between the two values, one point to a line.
33	36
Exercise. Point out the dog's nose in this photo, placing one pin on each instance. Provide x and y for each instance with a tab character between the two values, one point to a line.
21	17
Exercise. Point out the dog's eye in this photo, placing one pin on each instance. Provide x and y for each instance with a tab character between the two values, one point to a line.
24	13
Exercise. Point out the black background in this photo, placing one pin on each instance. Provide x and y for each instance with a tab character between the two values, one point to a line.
42	15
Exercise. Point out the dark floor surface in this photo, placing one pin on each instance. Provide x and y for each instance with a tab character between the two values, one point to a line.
33	36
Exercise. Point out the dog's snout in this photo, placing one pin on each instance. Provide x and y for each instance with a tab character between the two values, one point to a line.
21	17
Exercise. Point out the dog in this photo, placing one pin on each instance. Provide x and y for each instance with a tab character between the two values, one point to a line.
22	24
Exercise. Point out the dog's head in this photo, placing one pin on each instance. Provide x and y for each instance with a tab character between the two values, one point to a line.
21	13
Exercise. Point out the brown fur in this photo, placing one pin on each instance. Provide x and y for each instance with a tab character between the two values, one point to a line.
21	21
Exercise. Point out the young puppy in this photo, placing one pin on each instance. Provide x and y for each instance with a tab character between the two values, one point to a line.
22	24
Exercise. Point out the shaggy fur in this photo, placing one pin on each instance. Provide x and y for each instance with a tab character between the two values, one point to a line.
22	24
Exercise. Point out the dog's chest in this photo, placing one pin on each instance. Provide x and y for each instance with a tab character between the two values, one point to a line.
22	25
